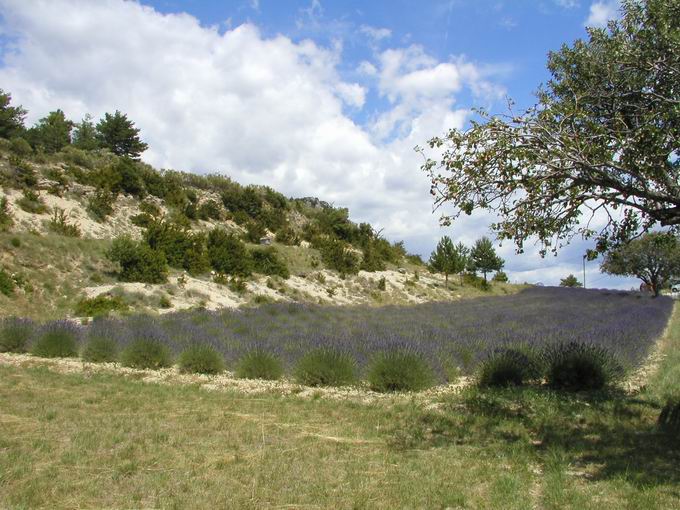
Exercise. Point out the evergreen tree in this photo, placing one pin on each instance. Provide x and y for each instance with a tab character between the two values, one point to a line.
483	257
11	117
85	134
449	259
51	133
118	134
570	281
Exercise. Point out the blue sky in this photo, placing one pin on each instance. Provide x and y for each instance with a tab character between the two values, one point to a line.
312	97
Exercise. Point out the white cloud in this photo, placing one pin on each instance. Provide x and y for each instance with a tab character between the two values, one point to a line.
602	12
376	34
568	4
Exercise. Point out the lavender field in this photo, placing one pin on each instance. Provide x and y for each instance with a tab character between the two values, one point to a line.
448	335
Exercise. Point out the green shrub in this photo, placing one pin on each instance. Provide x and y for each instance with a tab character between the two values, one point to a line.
259	364
266	261
100	349
32	203
23	174
7	284
142	220
15	242
210	210
201	359
100	205
59	224
146	353
100	305
577	366
399	370
325	367
150	208
336	255
164	302
138	262
500	277
6	220
20	147
60	340
228	254
15	335
508	367
382	283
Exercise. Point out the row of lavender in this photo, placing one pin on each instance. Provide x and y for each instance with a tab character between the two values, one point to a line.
447	335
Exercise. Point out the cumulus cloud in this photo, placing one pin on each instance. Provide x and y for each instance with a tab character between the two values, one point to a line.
261	110
602	12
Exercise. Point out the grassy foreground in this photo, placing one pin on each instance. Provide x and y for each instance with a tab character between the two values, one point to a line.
101	440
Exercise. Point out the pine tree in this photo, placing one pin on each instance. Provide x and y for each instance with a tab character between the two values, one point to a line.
11	117
449	259
85	134
52	132
118	134
483	257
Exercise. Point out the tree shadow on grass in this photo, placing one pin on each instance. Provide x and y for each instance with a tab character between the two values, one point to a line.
602	435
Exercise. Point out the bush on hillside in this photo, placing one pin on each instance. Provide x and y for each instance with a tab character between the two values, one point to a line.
59	224
267	261
399	370
228	254
325	367
32	203
146	352
7	283
100	205
59	340
138	262
20	147
577	366
100	349
209	210
6	220
201	359
100	305
15	334
259	364
337	255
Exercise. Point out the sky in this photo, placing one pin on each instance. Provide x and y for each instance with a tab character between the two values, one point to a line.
311	97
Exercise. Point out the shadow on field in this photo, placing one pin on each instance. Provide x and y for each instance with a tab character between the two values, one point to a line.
600	436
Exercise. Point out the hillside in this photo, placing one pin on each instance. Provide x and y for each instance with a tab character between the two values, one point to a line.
62	212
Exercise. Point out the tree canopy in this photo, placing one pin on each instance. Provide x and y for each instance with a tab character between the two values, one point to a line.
483	257
11	117
119	134
52	132
449	259
654	258
601	143
570	281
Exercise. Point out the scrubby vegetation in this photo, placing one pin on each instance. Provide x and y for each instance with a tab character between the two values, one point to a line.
200	359
146	352
58	340
259	364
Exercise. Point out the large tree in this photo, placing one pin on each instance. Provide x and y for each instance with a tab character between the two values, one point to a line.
51	133
483	257
11	117
653	258
118	134
449	259
85	134
602	141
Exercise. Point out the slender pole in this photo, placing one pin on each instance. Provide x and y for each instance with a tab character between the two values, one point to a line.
584	271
